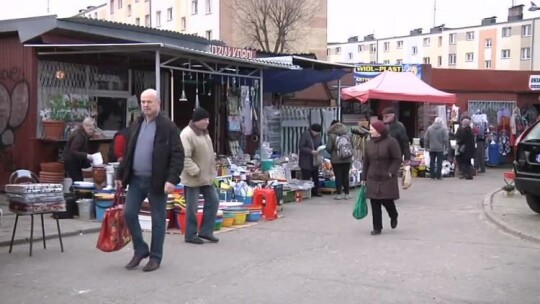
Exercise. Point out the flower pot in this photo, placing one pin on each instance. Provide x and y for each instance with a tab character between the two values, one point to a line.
99	175
52	167
53	129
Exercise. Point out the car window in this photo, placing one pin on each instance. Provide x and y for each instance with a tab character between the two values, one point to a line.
534	134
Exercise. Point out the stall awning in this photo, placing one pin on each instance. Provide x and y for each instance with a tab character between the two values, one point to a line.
402	86
287	81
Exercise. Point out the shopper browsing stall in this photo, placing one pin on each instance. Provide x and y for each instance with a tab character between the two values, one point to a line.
152	166
308	156
466	148
382	160
436	142
198	177
340	148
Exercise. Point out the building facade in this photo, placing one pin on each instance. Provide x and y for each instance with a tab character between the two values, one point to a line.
211	19
510	45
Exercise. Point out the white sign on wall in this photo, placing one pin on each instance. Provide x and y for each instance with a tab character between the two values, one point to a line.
534	82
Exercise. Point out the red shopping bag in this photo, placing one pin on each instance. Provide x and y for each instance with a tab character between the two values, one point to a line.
114	233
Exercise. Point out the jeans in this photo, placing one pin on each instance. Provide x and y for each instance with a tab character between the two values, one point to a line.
341	171
211	204
376	211
139	190
435	164
314	176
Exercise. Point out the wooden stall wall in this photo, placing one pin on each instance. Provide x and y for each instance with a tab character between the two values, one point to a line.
18	95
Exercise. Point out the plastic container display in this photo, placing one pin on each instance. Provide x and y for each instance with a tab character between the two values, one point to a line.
101	208
85	209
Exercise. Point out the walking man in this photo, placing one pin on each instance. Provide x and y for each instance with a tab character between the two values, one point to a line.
151	167
436	142
397	130
198	177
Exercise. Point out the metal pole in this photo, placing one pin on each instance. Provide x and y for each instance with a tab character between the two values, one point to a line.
158	74
172	95
261	125
339	100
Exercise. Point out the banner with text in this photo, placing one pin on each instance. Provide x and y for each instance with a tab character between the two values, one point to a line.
366	72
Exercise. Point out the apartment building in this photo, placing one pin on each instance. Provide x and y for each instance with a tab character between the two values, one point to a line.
510	45
212	19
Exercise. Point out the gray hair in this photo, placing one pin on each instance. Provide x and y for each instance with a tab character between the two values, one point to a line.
153	93
88	121
438	121
466	122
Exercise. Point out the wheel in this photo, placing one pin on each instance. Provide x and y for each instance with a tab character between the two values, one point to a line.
533	202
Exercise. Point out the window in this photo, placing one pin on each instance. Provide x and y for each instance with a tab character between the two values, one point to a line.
137	21
360	48
194	7
209	34
440	40
470	36
95	15
399	61
526	53
526	30
373	48
338	51
183	23
169	14
487	64
129	10
400	44
452	38
350	56
427	41
208	6
158	18
452	59
147	20
112	7
505	54
469	57
427	60
414	50
119	4
386	46
439	61
489	43
387	62
506	31
328	52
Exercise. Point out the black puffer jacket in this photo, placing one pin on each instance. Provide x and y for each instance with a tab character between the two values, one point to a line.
397	130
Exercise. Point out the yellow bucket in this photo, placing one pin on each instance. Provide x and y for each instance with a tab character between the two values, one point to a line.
240	218
227	221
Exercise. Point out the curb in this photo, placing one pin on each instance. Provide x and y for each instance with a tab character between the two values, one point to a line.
50	237
487	206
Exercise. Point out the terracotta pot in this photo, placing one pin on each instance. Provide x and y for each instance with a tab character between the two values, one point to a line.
52	167
100	175
88	173
53	129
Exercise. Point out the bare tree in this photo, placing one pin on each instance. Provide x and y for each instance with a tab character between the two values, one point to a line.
273	24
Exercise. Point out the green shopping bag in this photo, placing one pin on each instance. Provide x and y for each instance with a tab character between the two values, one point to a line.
360	208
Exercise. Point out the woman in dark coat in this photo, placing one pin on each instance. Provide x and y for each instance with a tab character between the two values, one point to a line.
466	148
309	142
382	159
76	155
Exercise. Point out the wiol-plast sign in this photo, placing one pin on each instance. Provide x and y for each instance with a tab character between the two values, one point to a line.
534	82
366	72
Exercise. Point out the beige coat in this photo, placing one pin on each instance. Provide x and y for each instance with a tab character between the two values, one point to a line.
199	162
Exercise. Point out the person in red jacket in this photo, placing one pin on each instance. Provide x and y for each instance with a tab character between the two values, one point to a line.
118	146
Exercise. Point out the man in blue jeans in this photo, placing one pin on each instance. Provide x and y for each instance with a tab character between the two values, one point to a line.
151	166
436	142
198	178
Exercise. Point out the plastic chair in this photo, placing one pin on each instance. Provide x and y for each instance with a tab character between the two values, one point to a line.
269	208
28	177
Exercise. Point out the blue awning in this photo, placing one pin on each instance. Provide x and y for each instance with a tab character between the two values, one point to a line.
289	81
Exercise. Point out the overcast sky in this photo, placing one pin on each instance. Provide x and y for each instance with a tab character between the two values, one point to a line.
384	18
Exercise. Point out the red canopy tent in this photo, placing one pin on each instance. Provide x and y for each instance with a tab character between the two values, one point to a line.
402	86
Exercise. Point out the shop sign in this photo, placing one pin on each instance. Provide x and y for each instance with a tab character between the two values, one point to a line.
534	82
234	52
366	72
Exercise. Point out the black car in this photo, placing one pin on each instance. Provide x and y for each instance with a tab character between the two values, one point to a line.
527	165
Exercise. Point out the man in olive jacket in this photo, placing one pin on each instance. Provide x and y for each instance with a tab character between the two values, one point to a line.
152	166
397	130
341	166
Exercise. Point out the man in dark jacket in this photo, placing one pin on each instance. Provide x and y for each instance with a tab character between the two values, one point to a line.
75	153
309	142
466	148
152	166
397	130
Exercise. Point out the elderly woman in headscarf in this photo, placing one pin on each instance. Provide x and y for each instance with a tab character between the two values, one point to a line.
382	160
308	160
76	156
466	148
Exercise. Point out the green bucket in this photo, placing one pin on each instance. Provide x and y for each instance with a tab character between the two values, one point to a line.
267	164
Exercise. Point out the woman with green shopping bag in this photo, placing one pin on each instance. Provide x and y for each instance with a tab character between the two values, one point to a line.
382	159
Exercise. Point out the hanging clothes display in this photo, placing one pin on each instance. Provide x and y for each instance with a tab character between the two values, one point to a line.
504	143
246	111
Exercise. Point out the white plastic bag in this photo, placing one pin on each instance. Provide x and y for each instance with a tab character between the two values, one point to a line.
406	182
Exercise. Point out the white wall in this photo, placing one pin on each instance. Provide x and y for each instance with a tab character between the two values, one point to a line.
202	21
162	6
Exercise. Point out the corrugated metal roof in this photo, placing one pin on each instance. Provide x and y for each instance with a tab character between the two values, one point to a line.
140	29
